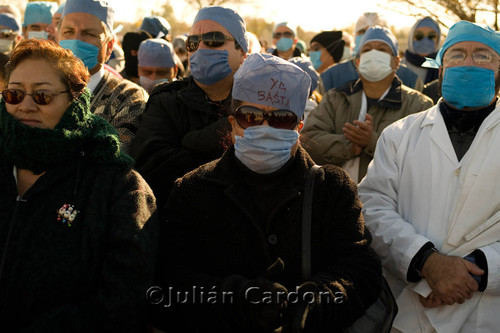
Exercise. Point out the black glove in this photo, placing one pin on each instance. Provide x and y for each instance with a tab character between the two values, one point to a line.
260	303
300	306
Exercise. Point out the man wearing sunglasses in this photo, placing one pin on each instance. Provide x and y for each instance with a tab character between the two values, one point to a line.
431	196
285	39
186	121
344	129
86	29
10	33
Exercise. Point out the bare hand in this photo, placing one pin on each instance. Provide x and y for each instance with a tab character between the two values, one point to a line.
359	132
431	301
449	277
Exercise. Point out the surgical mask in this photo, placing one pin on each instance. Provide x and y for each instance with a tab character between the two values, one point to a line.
265	149
468	86
424	46
357	41
84	51
209	66
314	56
38	35
6	46
284	44
347	53
375	65
148	84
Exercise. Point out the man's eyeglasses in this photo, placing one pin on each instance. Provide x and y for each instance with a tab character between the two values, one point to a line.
278	35
480	57
14	96
247	116
210	39
6	33
420	35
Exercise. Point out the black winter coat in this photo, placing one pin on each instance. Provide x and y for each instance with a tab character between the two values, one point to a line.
88	277
179	131
214	237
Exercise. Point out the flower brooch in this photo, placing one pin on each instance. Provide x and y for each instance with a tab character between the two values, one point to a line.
67	214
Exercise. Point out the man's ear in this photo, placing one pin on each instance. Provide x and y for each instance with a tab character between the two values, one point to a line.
300	125
109	44
396	60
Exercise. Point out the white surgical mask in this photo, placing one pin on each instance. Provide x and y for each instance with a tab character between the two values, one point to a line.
375	65
148	84
6	46
38	35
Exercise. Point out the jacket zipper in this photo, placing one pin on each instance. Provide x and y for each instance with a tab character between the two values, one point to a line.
7	240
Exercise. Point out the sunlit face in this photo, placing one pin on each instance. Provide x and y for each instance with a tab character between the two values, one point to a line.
326	58
283	31
52	27
383	47
235	57
156	73
32	75
237	130
89	29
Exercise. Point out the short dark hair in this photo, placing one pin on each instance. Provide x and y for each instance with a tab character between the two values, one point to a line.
70	69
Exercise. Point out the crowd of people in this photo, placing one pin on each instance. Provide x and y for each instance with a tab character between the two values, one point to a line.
160	183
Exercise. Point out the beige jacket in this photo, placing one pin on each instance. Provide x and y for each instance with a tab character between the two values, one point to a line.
322	135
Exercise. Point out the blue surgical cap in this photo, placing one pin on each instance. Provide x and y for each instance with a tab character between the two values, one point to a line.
10	22
99	8
465	31
382	34
307	67
39	12
155	25
272	81
60	8
156	53
229	19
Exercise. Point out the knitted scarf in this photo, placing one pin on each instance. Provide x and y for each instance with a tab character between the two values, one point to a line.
39	150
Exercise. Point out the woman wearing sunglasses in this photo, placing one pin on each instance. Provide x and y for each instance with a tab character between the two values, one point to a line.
423	41
233	230
76	223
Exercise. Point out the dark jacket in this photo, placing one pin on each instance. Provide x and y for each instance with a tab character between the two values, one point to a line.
179	131
87	277
214	236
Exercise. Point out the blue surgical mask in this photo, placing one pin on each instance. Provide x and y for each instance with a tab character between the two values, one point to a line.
425	46
84	51
265	149
357	41
148	84
315	56
468	86
284	44
38	35
209	66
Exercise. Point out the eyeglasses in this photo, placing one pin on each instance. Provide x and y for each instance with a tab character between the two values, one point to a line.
14	96
480	57
420	35
6	33
247	116
210	39
278	35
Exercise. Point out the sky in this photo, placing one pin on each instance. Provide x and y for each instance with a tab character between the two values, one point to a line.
310	15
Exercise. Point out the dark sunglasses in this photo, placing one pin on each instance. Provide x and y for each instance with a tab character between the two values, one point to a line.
210	39
420	36
247	116
14	96
277	35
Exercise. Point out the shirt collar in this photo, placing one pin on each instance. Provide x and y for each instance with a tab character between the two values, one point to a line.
95	79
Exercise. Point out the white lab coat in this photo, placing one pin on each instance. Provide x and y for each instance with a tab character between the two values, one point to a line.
417	191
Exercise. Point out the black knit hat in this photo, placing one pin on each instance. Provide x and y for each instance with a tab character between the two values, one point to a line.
332	41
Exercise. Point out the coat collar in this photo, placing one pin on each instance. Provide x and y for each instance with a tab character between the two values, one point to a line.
393	99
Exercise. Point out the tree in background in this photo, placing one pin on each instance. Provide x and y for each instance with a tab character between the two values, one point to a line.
459	9
199	4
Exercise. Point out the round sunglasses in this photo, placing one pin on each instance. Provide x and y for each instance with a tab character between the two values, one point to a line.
210	39
247	116
40	97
